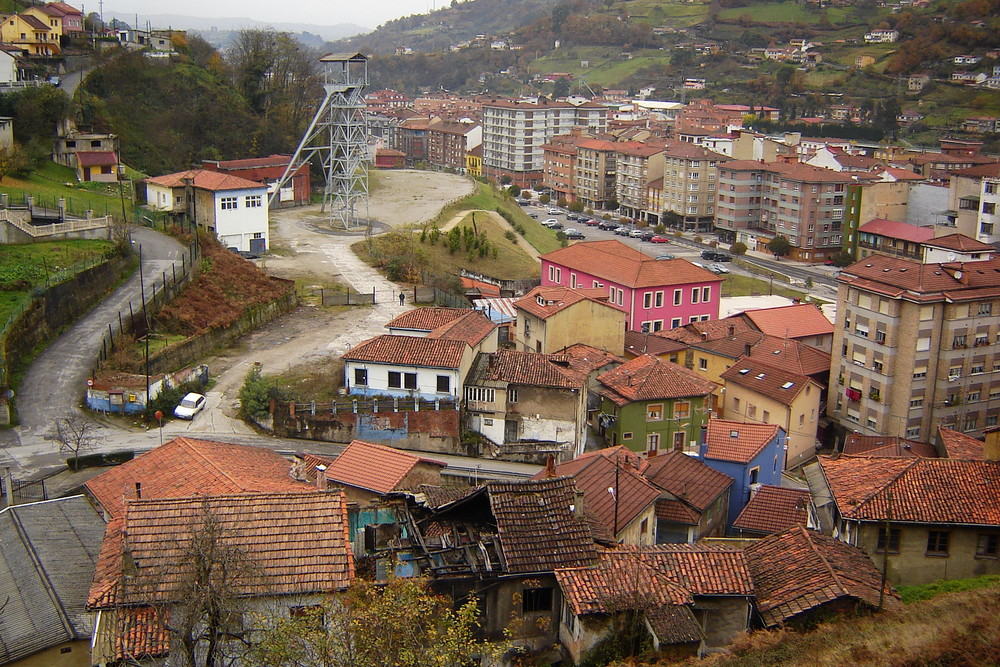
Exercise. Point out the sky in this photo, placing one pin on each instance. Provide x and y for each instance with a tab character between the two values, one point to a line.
367	13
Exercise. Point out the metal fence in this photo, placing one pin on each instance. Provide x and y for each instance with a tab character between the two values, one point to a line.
371	406
413	295
22	492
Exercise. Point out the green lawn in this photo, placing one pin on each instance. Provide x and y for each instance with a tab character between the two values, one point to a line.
738	285
788	12
911	594
52	181
511	262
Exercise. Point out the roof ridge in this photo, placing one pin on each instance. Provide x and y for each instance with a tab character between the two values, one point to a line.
829	567
188	442
895	479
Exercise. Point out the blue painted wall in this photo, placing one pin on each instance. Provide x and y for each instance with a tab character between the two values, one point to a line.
768	462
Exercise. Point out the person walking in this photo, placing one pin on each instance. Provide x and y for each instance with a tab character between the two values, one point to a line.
402	298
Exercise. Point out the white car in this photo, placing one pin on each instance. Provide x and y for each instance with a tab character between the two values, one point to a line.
554	211
636	233
550	222
718	268
189	406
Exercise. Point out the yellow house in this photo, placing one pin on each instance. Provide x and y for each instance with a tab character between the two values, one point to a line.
712	358
551	318
474	162
29	33
50	16
757	392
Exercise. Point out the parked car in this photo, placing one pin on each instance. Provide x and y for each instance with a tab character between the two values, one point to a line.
715	256
572	216
636	233
574	234
659	238
607	224
623	231
522	201
590	222
554	211
717	268
189	406
666	255
533	215
552	223
647	235
700	265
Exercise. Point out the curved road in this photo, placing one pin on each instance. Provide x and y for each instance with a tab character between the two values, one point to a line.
54	385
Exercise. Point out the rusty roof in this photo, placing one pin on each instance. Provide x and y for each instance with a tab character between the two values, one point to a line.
797	570
957	445
638	343
727	440
586	359
534	369
648	378
622	264
373	467
409	351
186	467
619	580
699	332
898	277
915	490
701	569
537	527
960	243
878	445
687	479
774	508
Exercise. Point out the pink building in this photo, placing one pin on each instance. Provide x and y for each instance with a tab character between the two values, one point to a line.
664	293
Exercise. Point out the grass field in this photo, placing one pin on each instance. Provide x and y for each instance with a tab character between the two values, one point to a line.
737	285
604	67
53	181
788	12
676	14
911	594
510	261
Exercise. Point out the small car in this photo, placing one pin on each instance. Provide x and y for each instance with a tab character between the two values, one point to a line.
574	234
636	233
189	406
647	235
549	221
533	215
572	216
717	268
659	238
666	256
554	211
623	231
608	225
590	222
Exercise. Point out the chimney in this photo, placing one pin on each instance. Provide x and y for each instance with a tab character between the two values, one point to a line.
732	330
321	477
704	335
747	349
138	490
991	448
578	506
550	466
754	488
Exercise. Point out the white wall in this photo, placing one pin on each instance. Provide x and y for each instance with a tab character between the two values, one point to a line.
235	227
378	380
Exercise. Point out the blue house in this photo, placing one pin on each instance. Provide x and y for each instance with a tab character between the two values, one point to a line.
749	453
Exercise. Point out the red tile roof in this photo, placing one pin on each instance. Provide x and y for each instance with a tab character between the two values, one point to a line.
798	570
687	479
586	359
895	276
959	243
545	301
727	440
537	528
957	445
701	569
773	509
771	381
374	467
619	581
877	445
426	319
699	332
619	263
535	369
648	378
791	354
594	474
796	321
915	490
254	162
734	346
97	158
473	327
206	180
409	351
142	633
897	230
638	343
187	467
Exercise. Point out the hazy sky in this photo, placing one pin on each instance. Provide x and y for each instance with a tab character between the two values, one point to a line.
366	13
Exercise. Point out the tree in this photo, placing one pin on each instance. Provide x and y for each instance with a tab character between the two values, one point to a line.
13	160
779	246
576	206
561	87
739	248
399	624
75	435
843	258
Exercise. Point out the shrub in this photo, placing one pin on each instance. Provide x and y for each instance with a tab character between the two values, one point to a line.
739	248
698	239
257	392
510	235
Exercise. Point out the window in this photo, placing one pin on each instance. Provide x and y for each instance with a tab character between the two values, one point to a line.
253	201
958	341
410	380
985	309
675	322
536	599
654	413
443	384
888	543
644	527
736	404
923	344
652	442
228	203
682	410
361	376
754	474
627	435
511	395
677	297
920	373
658	302
916	403
706	294
395	380
702	363
485	394
695	295
751	411
991	420
880	336
647	300
913	432
988	545
937	542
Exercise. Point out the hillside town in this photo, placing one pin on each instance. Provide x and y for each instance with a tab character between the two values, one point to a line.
618	457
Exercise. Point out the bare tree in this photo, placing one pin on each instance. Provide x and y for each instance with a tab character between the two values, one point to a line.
75	435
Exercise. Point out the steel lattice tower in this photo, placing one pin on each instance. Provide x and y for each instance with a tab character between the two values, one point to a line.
338	136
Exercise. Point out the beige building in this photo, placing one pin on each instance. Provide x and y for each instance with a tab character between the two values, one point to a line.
30	33
685	196
552	318
595	172
636	165
916	347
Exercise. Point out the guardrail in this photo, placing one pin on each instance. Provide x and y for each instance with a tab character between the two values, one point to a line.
36	231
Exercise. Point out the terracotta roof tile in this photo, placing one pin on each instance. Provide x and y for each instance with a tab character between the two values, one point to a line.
535	369
586	359
773	509
206	180
960	243
791	354
727	440
897	230
545	301
796	321
699	332
426	319
915	490
617	262
798	570
143	633
734	346
675	624
700	569
767	380
538	531
677	511
595	474
409	351
687	479
957	445
895	276
373	467
638	343
619	581
97	158
473	327
877	445
651	378
187	467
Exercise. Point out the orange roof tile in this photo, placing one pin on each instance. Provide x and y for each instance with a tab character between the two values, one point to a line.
617	262
703	570
585	358
687	479
545	301
877	445
409	351
897	230
650	378
426	319
699	332
727	440
896	276
472	327
797	570
205	179
374	467
796	321
533	368
957	445
638	343
619	581
791	354
187	467
960	243
773	509
771	381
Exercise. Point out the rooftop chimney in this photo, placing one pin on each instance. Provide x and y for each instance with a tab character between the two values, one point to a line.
321	477
138	490
991	448
550	466
578	506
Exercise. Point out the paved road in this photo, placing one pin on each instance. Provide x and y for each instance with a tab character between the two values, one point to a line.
54	385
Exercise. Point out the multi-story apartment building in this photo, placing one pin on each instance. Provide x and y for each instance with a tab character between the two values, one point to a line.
636	165
685	196
916	346
559	166
382	101
758	201
595	172
449	142
515	131
411	135
973	198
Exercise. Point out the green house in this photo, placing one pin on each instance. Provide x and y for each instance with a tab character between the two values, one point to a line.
651	405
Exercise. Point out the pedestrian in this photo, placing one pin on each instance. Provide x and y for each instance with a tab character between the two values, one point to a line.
402	298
